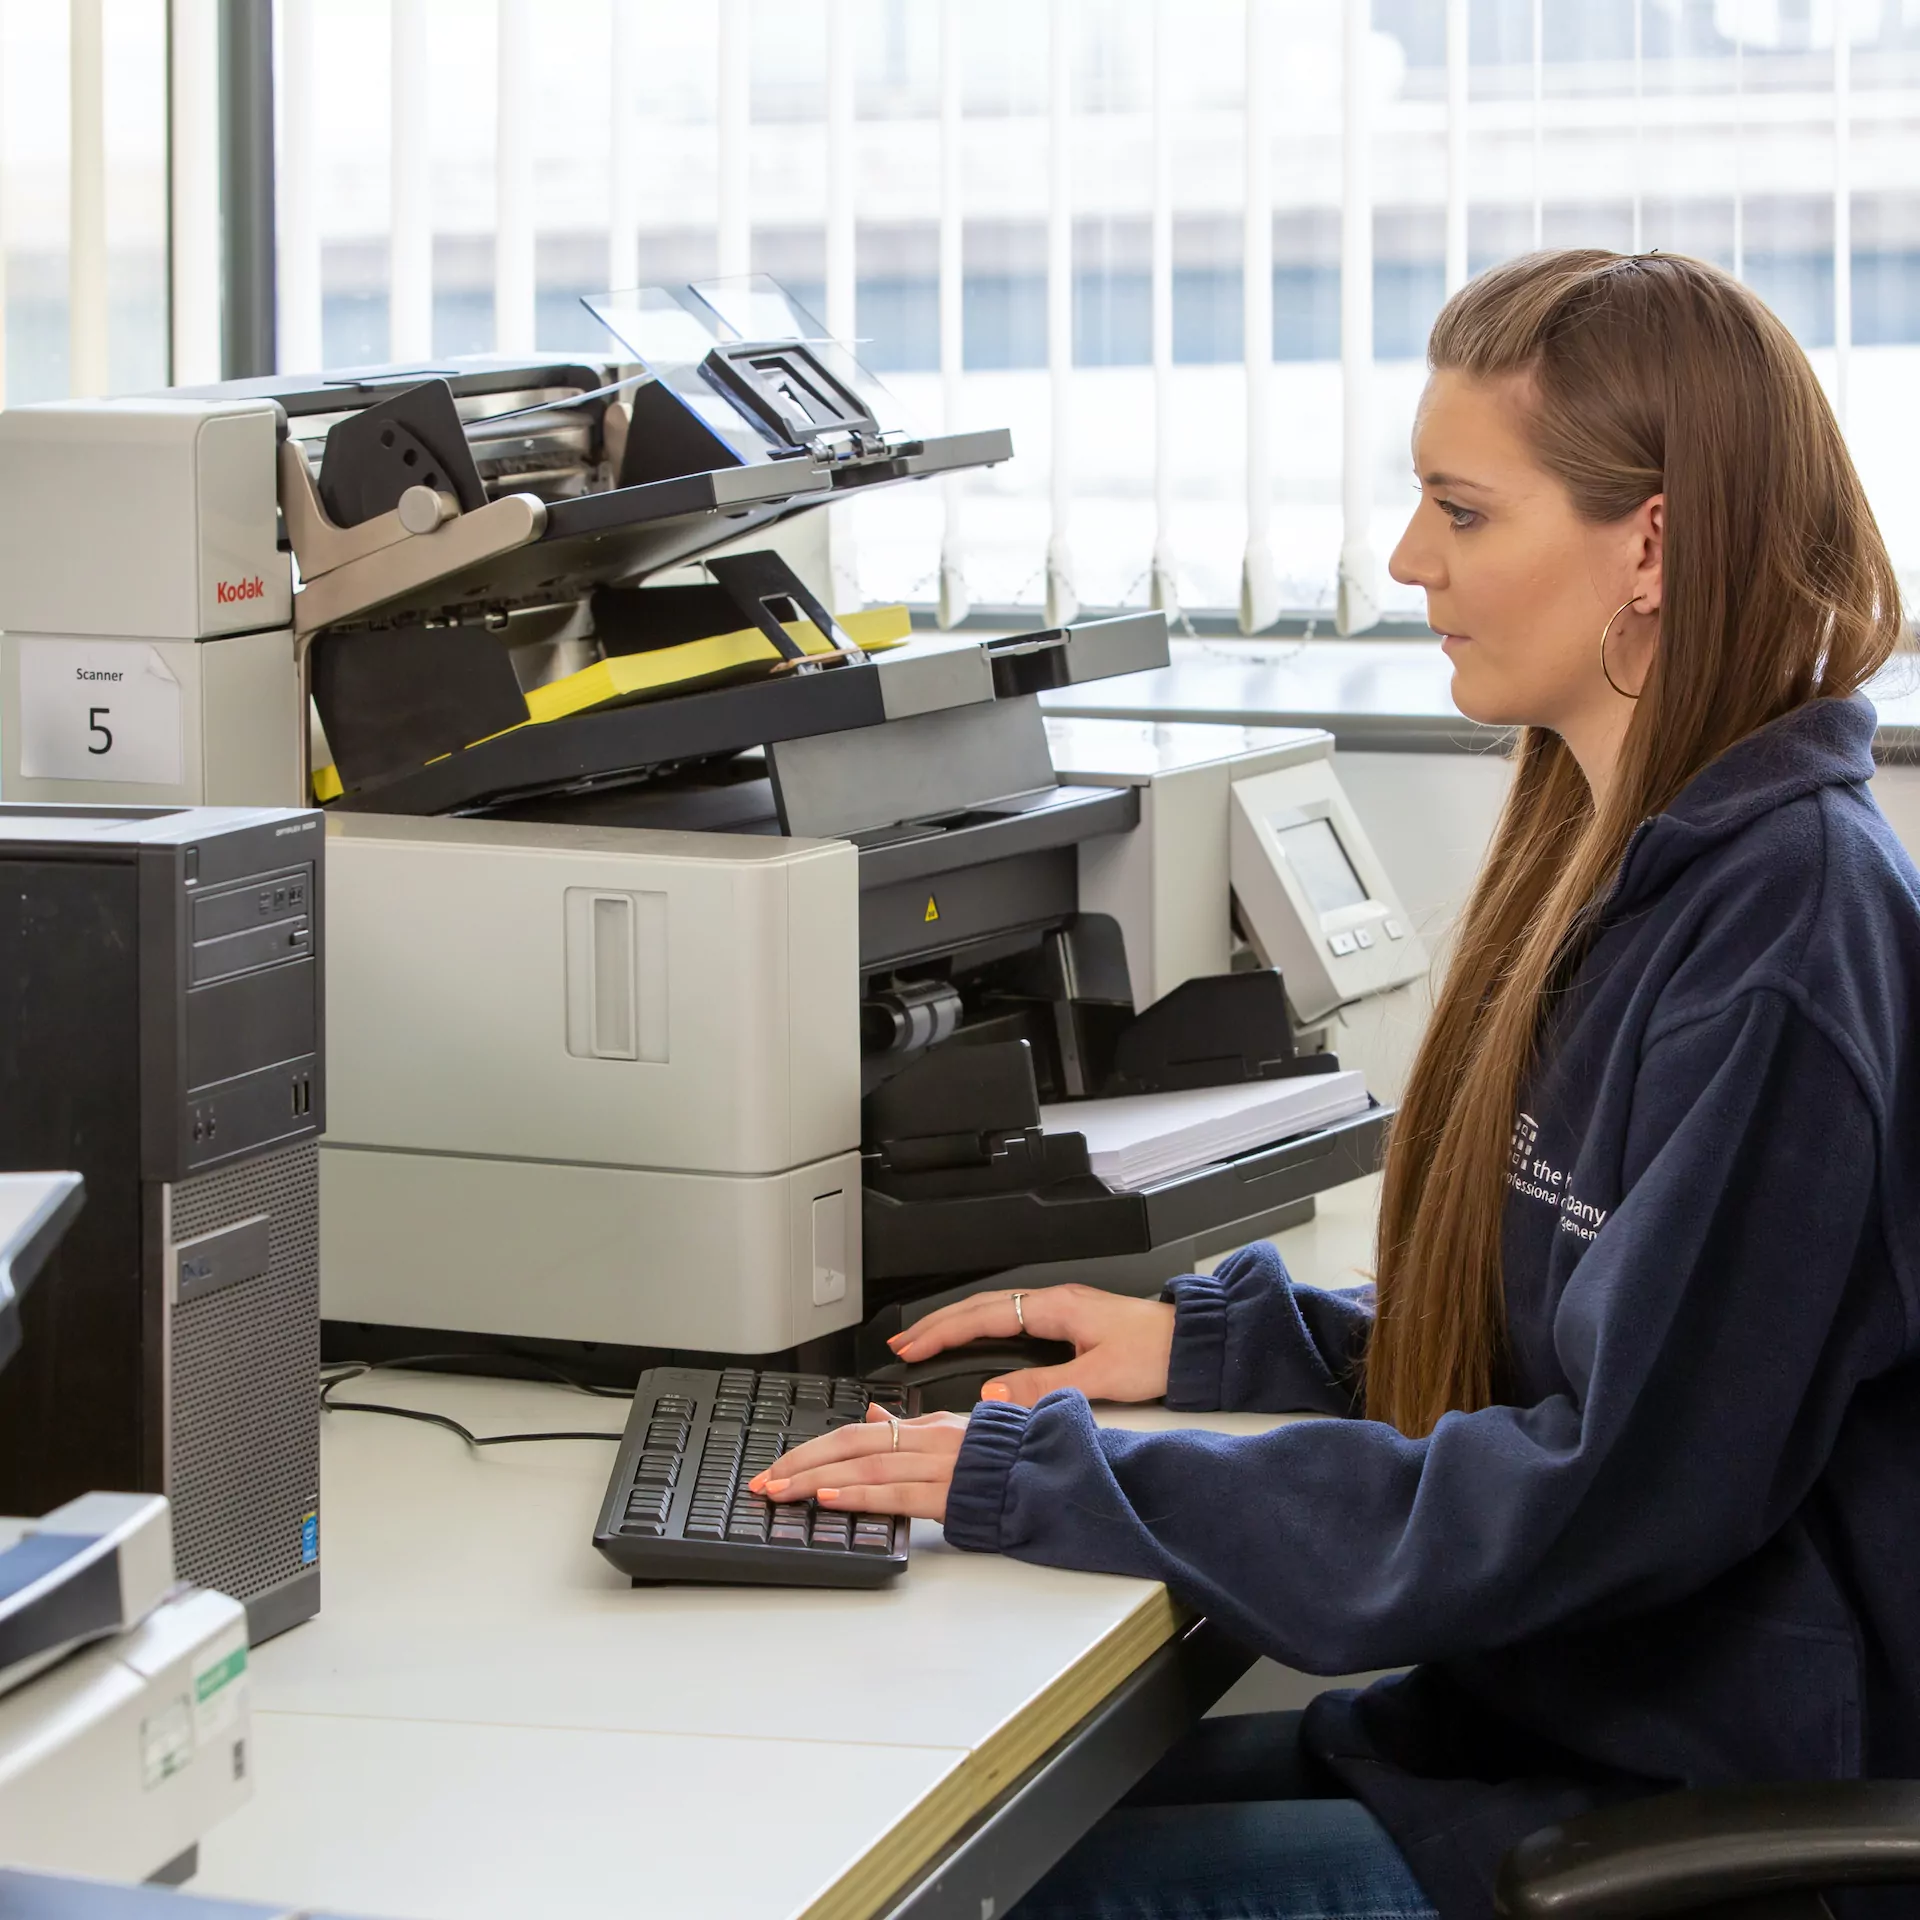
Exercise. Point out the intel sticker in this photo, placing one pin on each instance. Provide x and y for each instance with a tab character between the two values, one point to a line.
309	1539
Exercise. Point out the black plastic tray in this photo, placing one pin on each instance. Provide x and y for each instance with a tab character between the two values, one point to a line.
607	743
956	1239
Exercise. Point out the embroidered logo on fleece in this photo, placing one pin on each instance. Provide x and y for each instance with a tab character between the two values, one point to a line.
1534	1177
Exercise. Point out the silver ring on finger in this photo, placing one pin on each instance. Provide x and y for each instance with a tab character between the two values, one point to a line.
1019	1313
893	1420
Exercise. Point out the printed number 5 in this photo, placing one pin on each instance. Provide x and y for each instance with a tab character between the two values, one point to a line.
94	717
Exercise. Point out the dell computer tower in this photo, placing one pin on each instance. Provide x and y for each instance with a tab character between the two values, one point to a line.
161	1005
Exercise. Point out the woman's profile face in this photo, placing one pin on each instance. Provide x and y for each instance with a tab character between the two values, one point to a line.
1518	585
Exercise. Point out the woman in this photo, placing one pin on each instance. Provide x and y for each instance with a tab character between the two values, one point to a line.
1630	1467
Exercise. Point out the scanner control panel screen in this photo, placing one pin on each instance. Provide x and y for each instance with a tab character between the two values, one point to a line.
1314	852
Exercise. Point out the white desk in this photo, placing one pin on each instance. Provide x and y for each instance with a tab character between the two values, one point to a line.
486	1720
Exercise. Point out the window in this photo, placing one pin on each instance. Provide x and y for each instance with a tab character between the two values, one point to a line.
1125	228
83	198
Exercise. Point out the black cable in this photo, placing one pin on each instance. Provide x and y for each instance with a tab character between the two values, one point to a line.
415	1362
354	1369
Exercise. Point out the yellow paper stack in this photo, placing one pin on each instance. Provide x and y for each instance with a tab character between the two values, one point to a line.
667	670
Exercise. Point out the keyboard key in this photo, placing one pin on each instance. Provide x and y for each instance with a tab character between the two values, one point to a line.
705	1529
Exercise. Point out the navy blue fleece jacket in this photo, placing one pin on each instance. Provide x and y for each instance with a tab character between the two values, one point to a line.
1686	1549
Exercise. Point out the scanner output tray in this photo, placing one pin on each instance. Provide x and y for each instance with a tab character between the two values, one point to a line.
918	1240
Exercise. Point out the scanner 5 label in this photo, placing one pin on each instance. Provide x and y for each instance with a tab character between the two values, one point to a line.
99	710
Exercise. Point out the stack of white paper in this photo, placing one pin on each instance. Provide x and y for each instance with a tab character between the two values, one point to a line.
1144	1137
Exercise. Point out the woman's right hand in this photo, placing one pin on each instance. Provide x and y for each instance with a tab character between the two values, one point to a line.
1121	1346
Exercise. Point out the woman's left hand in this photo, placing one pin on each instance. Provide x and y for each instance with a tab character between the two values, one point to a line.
884	1466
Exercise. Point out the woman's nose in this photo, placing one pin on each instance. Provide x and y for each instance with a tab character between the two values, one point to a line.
1414	563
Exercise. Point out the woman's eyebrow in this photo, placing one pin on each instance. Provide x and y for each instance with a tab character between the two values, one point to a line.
1456	480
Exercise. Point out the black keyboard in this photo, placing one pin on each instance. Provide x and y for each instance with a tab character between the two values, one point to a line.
677	1507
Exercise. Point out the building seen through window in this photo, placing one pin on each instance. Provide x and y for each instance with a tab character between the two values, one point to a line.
1738	130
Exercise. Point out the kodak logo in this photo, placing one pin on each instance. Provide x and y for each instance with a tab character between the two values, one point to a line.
228	591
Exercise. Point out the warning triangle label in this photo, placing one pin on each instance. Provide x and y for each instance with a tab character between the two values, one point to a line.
933	912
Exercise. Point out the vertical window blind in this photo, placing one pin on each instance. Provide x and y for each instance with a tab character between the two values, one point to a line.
84	198
1189	252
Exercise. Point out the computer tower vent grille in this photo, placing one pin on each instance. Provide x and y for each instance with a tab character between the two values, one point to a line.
244	1458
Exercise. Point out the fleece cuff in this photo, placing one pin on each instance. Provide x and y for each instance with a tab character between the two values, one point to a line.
977	1500
1199	1342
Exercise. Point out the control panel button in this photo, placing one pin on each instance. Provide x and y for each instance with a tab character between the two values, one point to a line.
1364	935
1395	931
1341	943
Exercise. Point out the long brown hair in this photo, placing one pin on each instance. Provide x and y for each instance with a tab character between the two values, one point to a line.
1643	374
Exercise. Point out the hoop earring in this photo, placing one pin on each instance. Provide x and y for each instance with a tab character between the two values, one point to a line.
1604	631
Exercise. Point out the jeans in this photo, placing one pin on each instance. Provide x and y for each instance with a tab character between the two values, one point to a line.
1233	1825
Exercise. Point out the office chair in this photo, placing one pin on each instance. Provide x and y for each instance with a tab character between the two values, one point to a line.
1731	1853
